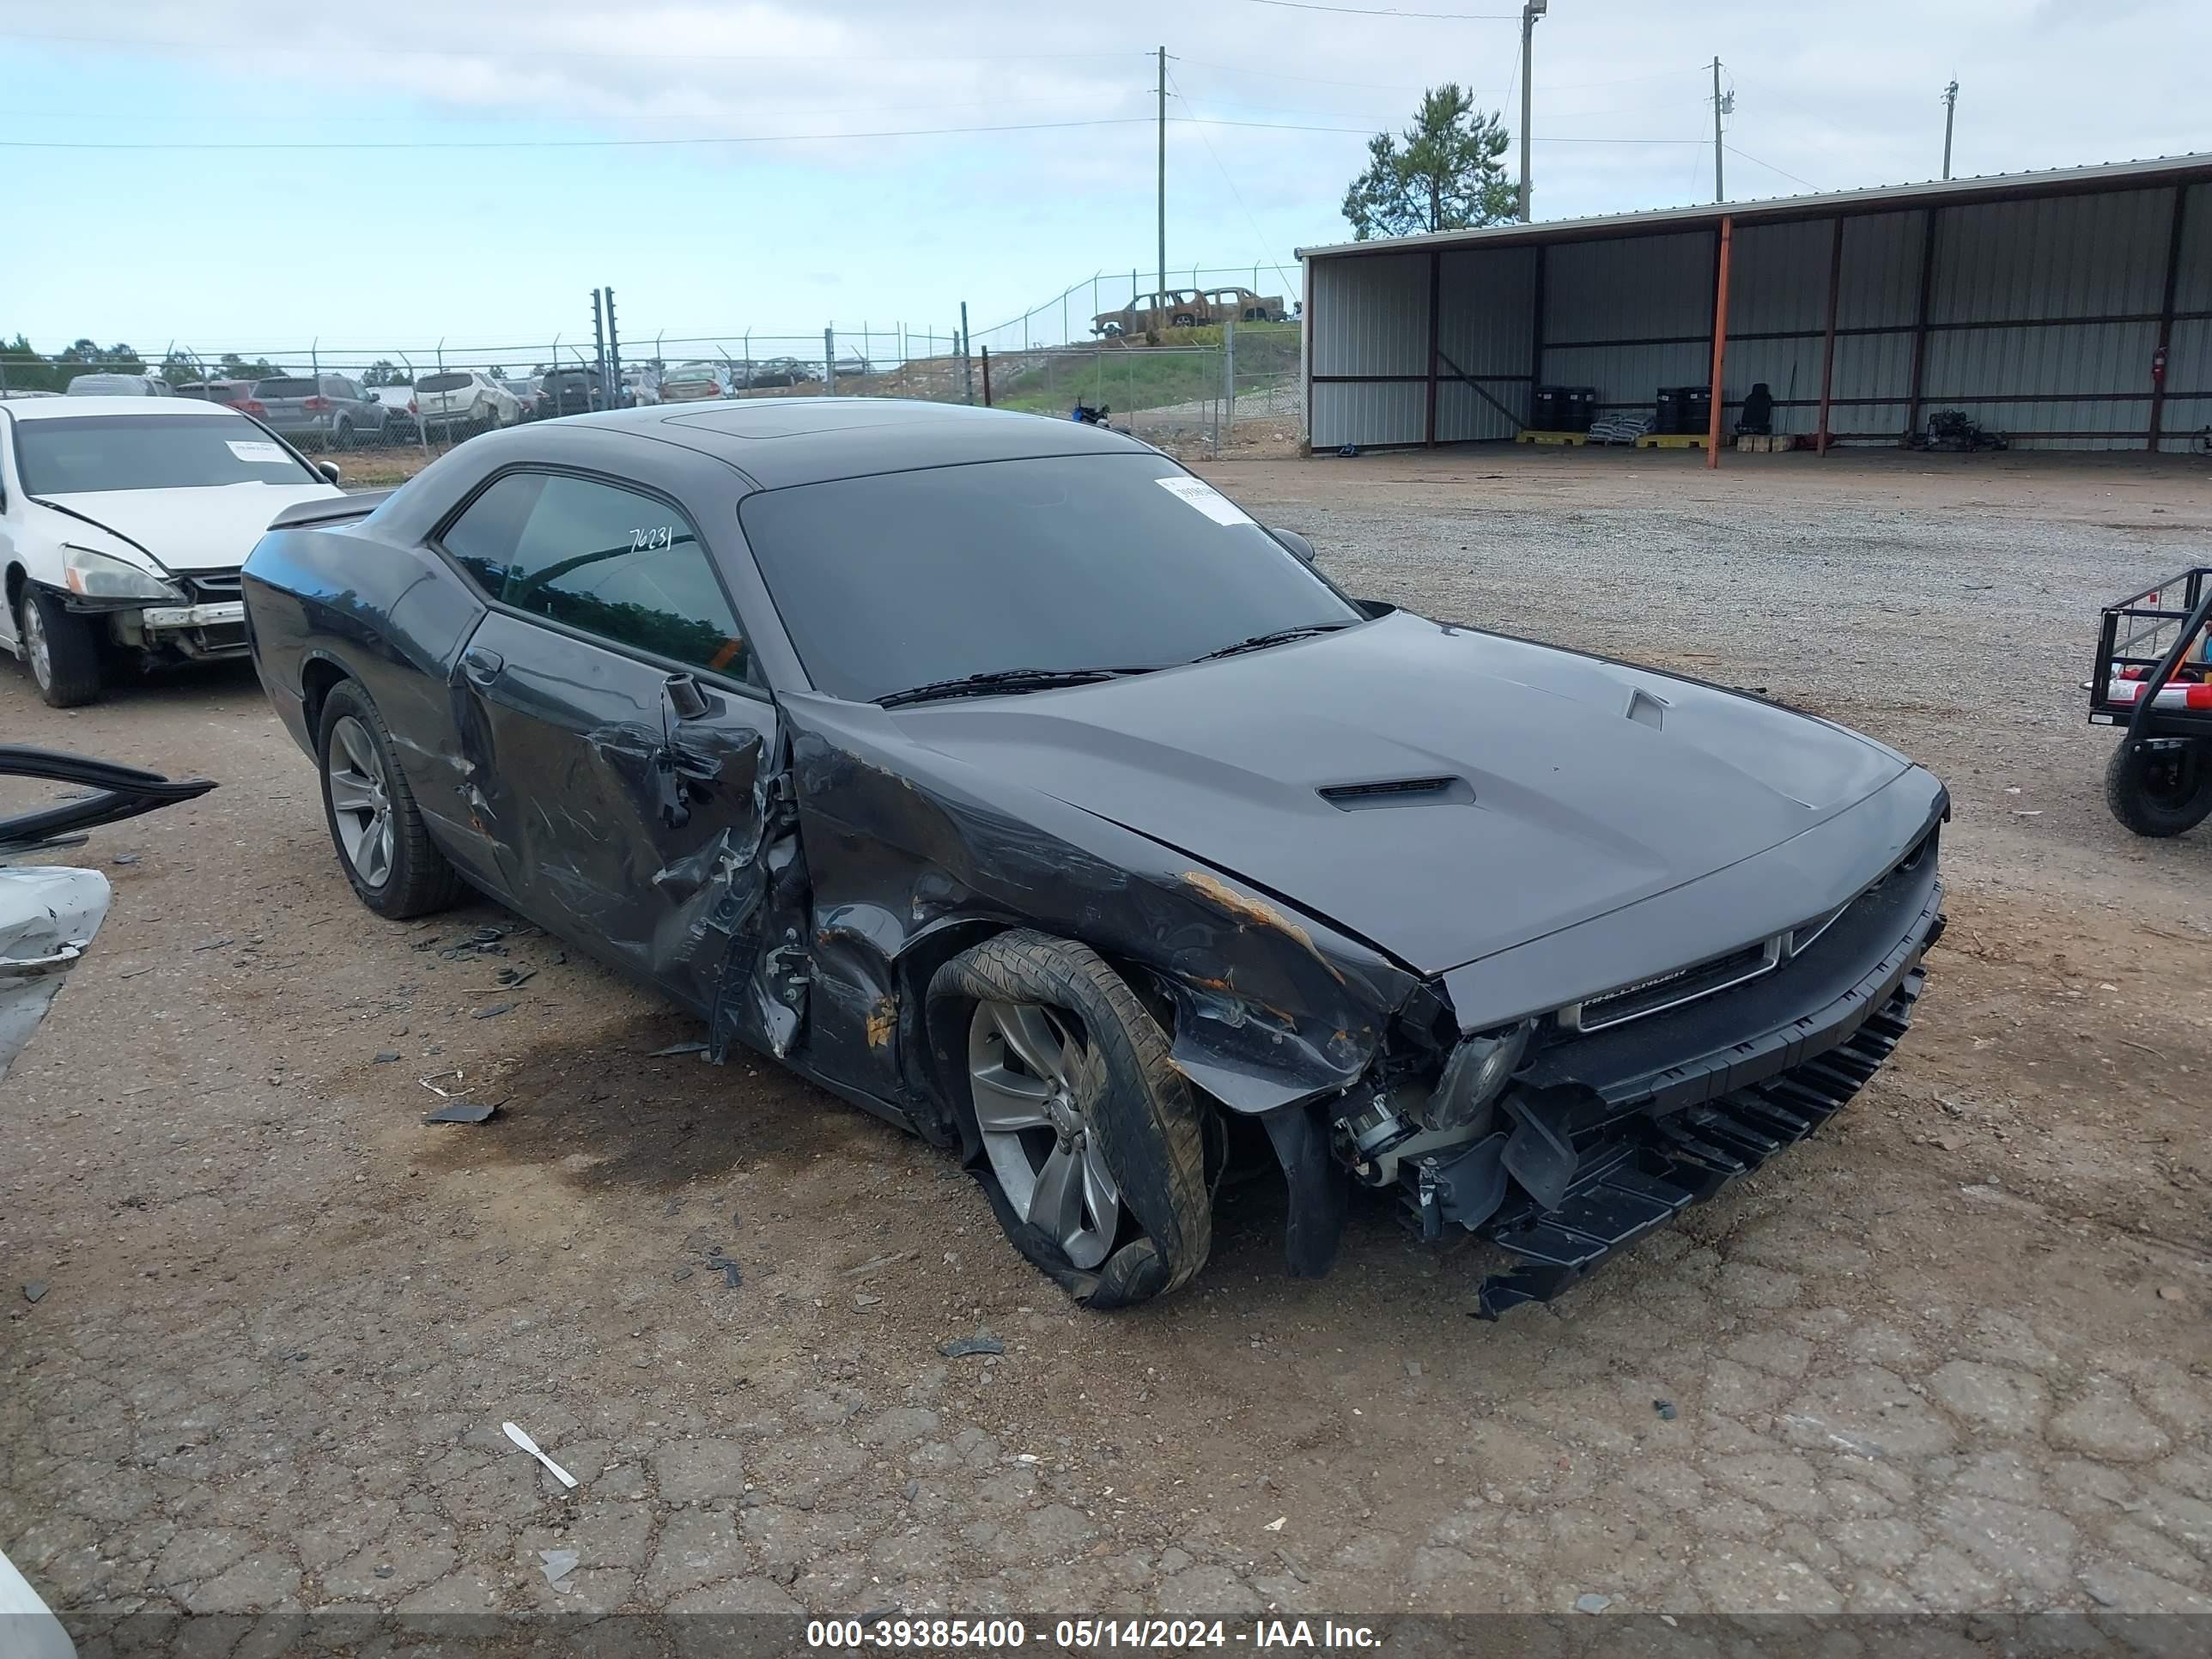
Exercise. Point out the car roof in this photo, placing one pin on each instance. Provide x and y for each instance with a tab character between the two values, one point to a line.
63	409
778	441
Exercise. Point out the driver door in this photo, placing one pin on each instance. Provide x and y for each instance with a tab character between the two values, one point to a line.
616	729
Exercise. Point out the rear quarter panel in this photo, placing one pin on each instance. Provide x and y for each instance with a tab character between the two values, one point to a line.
394	617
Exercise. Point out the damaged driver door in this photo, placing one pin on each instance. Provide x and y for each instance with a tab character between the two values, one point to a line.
626	758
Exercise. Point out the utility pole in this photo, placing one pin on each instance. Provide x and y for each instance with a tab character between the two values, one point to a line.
1721	106
1530	11
1160	297
1950	110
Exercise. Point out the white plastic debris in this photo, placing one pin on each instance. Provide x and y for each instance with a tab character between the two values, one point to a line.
557	1564
1277	1524
531	1446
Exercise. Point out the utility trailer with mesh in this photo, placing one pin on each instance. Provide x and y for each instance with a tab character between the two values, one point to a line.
2153	679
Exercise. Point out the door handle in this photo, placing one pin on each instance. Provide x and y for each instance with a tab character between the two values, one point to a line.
480	665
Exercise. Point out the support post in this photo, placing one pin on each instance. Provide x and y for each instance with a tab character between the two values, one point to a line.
1530	11
1720	190
1828	342
1163	195
966	364
1436	340
1229	371
2166	321
1720	340
830	362
1920	319
1950	114
986	377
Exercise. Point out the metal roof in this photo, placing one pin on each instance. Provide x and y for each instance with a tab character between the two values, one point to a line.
1879	198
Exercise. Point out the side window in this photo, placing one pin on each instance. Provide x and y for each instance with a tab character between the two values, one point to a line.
604	561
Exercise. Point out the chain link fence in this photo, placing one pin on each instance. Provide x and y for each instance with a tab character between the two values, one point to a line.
1196	389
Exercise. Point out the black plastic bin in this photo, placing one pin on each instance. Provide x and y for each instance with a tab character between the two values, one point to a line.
1564	408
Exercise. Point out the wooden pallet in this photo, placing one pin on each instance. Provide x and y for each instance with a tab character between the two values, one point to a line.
1671	440
1529	436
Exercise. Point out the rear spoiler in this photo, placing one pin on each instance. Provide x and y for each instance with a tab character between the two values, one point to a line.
302	514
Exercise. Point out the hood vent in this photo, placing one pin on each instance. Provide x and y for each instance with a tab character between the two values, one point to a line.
1399	792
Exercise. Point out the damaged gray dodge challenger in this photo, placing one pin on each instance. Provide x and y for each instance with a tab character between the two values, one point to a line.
1006	779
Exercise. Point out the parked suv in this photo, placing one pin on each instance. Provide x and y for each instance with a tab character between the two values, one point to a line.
328	409
465	397
1181	307
571	392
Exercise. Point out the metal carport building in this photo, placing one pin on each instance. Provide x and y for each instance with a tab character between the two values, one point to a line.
2068	309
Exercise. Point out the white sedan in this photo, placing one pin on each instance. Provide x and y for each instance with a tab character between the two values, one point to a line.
123	523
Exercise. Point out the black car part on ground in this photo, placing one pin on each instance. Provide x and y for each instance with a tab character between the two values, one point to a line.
118	793
1324	880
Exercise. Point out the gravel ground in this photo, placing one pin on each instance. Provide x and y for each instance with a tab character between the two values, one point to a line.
1952	1354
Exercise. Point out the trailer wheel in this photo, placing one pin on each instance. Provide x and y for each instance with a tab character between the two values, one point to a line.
2158	789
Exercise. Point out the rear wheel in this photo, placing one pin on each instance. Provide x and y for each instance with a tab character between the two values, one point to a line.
2160	789
60	648
1088	1140
386	850
1184	320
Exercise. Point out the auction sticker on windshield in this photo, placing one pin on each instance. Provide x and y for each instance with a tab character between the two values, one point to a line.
1205	498
256	449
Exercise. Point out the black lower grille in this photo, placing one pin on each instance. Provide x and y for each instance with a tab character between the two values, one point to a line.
212	588
1661	1165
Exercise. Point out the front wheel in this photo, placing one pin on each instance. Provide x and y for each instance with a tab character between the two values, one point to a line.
342	435
61	649
1088	1140
2158	789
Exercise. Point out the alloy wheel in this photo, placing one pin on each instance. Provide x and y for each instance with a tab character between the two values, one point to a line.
1025	1063
36	649
360	800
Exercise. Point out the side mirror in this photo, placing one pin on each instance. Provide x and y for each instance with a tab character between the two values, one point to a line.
1297	544
329	469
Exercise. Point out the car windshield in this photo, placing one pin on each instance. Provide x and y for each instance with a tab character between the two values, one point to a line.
150	451
1114	561
442	382
692	371
295	388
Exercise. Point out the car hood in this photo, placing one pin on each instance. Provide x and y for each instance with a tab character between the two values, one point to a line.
1572	786
211	528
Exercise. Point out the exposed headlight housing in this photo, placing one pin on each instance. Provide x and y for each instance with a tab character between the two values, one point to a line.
1474	1076
103	576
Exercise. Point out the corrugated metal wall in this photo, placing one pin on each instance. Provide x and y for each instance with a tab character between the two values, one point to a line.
2042	318
1486	326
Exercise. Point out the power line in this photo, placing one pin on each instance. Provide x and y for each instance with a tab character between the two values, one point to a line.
578	143
1770	167
506	51
1229	180
1392	11
195	145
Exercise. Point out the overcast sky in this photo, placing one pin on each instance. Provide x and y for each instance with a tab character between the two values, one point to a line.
543	168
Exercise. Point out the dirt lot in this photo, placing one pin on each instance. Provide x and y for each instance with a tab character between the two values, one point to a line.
1952	1354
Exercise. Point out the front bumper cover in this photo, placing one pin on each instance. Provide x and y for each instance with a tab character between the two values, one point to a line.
1601	1145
